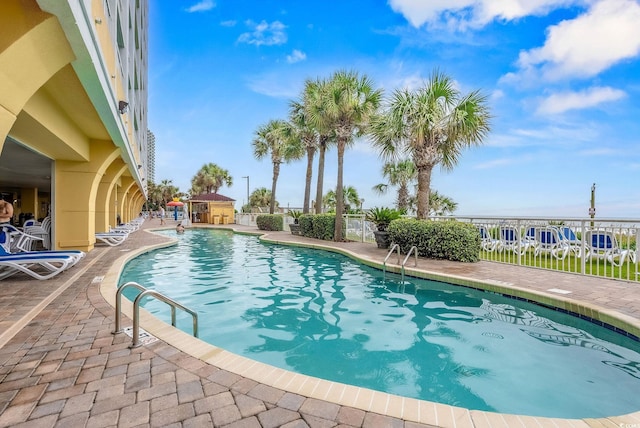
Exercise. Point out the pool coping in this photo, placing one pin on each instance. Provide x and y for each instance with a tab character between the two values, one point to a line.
408	409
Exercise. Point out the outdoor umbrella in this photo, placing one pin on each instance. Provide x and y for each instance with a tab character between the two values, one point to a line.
175	205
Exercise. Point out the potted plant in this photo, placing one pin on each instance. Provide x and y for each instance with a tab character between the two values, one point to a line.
381	217
295	227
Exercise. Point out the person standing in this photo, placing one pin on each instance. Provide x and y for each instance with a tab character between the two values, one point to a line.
6	211
161	216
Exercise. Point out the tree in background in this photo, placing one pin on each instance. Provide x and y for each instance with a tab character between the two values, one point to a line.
314	101
351	199
402	174
261	197
209	179
275	139
349	103
308	135
432	124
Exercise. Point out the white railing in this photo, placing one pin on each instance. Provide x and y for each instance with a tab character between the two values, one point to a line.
595	247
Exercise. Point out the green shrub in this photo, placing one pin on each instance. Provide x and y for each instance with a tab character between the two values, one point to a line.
273	222
306	224
450	240
324	226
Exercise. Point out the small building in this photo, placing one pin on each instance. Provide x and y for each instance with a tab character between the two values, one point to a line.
212	208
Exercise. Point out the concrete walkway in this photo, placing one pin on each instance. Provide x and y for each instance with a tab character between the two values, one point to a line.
61	366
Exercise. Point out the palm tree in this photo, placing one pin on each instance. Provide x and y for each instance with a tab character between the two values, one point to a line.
350	195
261	197
315	100
308	134
440	204
210	178
167	190
433	124
350	103
401	174
275	138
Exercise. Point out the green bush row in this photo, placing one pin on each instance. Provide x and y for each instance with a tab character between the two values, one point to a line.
273	222
450	240
318	226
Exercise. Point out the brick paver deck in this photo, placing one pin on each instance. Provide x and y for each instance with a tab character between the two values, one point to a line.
61	366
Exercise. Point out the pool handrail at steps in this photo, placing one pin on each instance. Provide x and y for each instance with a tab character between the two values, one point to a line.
413	249
136	310
384	262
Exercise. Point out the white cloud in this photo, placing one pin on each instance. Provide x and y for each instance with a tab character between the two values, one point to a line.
201	6
583	47
564	101
276	85
230	23
264	34
296	56
459	14
496	163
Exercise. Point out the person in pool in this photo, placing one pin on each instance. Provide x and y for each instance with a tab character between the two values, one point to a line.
179	228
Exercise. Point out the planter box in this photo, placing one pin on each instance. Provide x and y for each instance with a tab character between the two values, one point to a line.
294	228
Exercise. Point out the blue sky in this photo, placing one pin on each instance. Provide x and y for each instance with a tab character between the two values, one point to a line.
562	78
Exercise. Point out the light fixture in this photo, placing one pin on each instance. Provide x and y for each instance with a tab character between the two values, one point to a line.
123	106
98	21
139	166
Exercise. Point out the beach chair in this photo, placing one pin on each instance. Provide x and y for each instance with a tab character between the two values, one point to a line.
112	238
42	231
548	241
487	242
569	237
603	245
13	241
37	264
510	240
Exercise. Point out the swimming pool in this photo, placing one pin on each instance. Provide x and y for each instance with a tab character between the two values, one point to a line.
429	340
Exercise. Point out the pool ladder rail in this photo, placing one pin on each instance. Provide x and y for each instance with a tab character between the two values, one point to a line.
136	310
396	247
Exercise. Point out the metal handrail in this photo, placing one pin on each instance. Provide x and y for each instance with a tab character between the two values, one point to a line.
136	310
384	263
413	249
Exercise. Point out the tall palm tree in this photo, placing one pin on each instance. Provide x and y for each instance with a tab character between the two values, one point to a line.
433	124
401	174
315	100
308	135
275	138
210	178
351	101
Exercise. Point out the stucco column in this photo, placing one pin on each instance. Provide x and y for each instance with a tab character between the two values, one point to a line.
76	187
105	209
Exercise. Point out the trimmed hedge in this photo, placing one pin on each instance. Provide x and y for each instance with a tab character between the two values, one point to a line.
274	222
317	226
450	240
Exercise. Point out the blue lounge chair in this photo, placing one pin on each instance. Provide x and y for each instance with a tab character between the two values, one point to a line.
603	245
487	242
510	240
548	241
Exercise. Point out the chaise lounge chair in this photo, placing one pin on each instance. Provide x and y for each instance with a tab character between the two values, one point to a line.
112	238
603	245
487	242
548	241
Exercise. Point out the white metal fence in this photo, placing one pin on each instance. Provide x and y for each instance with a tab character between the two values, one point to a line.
596	247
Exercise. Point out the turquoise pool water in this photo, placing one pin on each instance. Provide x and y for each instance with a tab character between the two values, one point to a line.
325	315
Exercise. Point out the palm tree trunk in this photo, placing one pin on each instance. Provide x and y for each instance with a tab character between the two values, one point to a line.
337	233
403	197
323	148
276	173
307	185
424	185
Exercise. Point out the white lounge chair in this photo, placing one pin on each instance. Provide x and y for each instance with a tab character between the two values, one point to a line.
487	242
112	238
603	245
548	241
510	240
